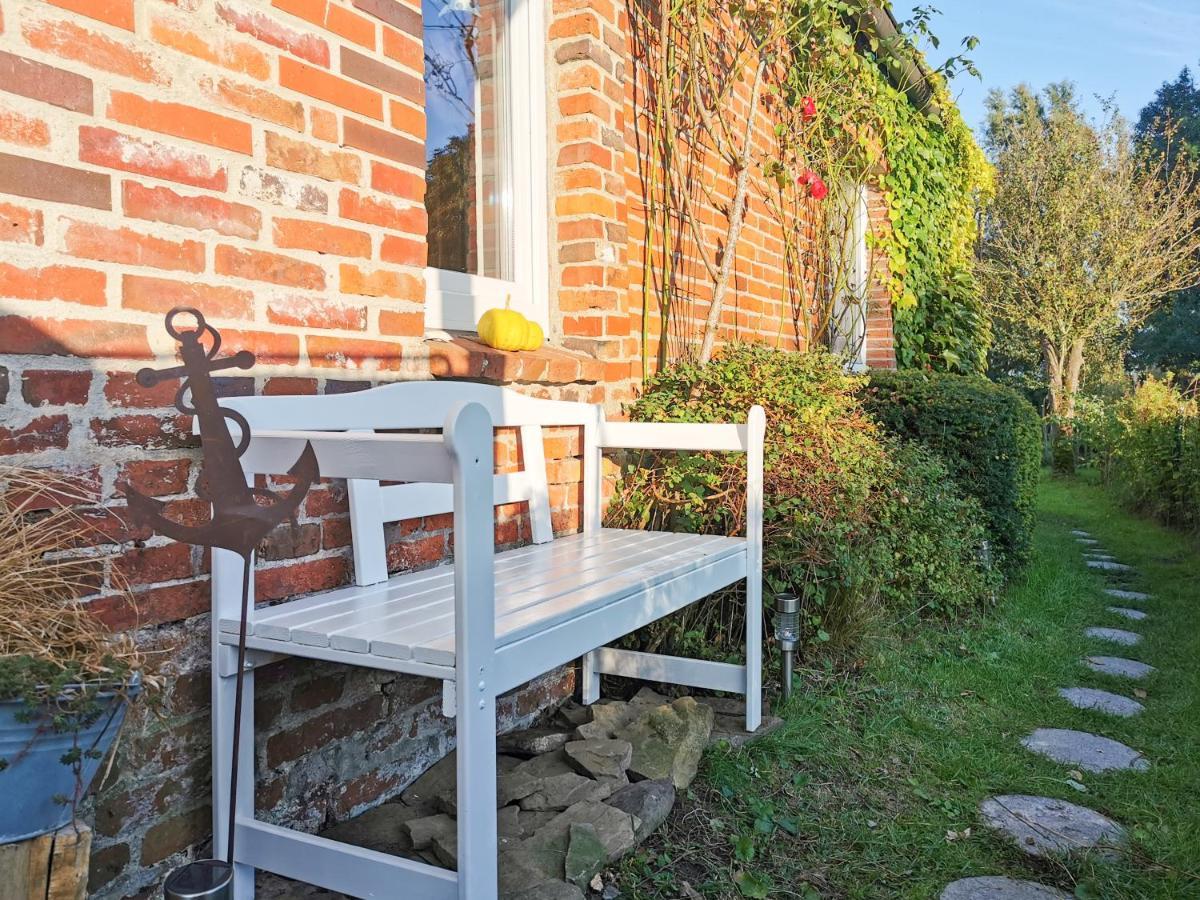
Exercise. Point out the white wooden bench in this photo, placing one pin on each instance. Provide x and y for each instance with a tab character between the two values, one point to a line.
483	624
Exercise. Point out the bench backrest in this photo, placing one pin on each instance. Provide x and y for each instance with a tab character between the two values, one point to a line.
416	405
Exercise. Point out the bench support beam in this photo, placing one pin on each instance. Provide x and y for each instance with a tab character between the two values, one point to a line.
698	673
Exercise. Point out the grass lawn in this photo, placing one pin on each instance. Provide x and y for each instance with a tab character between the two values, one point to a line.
870	787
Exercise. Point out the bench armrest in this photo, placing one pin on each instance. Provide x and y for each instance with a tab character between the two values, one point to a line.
680	435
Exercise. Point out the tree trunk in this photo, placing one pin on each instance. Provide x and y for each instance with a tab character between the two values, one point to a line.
1071	387
1053	359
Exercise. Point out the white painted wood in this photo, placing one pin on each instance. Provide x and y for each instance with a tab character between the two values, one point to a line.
449	699
401	666
533	455
340	867
397	457
366	528
411	501
756	428
673	436
593	472
468	433
715	676
589	679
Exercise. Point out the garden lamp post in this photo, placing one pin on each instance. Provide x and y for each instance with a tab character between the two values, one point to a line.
787	632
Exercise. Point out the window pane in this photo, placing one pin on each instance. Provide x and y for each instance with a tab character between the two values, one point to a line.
467	183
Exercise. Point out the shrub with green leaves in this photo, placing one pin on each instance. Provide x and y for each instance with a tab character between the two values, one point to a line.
988	435
838	507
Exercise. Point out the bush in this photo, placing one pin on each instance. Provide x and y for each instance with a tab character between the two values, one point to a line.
837	506
988	435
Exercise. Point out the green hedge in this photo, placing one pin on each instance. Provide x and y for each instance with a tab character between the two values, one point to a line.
988	435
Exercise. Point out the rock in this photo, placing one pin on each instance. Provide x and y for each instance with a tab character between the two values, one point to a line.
551	890
608	717
1101	701
586	856
381	828
603	759
996	888
533	741
573	714
1115	665
1089	752
1126	595
524	868
524	779
1134	615
614	830
562	791
1043	827
437	779
729	722
649	802
1105	566
423	832
445	848
1115	636
648	697
531	821
668	741
508	822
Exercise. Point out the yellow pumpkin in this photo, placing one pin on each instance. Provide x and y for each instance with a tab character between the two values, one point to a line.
504	329
534	336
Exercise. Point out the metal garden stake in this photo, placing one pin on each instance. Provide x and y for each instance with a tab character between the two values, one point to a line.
241	517
787	632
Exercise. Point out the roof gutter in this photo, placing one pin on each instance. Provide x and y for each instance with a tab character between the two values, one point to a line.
908	75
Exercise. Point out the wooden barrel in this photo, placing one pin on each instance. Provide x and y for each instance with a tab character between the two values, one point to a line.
48	867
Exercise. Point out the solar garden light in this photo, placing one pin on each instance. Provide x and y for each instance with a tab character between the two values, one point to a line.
787	632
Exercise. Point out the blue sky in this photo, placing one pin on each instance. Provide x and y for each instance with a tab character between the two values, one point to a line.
1122	47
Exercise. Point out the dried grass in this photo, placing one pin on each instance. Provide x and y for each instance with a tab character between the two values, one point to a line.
45	567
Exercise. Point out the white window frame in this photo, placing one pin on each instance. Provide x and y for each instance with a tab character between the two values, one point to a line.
454	301
849	325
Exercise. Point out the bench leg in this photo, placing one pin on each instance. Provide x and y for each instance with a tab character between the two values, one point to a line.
753	653
222	724
477	840
589	679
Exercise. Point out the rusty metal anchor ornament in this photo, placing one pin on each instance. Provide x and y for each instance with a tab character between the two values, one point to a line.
242	516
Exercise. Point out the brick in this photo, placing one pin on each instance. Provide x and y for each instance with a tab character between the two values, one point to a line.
46	83
309	10
351	26
256	102
147	431
415	553
237	56
321	85
387	78
156	477
124	245
397	182
68	283
3	385
303	44
404	49
19	225
300	156
269	347
39	180
42	433
279	582
182	121
55	387
161	204
402	324
324	125
319	691
384	213
112	12
169	836
298	234
105	865
387	144
316	312
161	295
321	730
290	386
351	353
257	265
269	187
73	337
403	251
122	390
105	147
16	128
151	565
381	283
155	606
394	13
71	41
291	541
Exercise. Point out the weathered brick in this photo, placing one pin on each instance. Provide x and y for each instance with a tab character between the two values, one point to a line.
161	295
106	864
49	84
257	265
170	836
324	125
40	180
71	41
105	147
384	213
161	204
16	128
269	347
290	386
319	691
148	431
42	433
321	85
396	14
323	729
387	78
113	12
55	387
68	283
316	312
122	390
73	337
280	190
383	143
19	225
229	54
303	44
151	565
320	237
171	603
301	156
279	582
255	102
381	283
291	541
351	353
156	477
180	120
124	245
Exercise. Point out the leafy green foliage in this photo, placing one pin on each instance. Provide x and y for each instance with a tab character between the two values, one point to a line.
988	436
842	502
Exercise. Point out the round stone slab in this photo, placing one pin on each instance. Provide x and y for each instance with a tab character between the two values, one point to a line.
1089	752
1105	566
1125	613
1078	532
1115	635
1115	665
1087	541
1126	595
1042	826
996	888
1101	701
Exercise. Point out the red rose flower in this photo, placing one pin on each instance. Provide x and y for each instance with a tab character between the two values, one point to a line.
817	189
808	108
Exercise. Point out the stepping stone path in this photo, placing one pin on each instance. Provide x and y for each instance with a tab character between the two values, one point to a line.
1102	557
1124	612
1126	595
995	888
1115	636
1106	566
1088	542
1089	752
1101	701
1121	668
1045	827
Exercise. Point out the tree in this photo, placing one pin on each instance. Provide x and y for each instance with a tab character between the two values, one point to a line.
1086	236
1169	125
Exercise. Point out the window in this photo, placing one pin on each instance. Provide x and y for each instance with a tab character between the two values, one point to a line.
848	325
485	160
